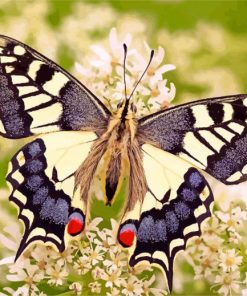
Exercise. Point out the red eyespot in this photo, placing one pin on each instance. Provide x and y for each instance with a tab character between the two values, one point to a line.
75	224
127	235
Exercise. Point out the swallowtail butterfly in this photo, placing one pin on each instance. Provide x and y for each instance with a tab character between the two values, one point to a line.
162	153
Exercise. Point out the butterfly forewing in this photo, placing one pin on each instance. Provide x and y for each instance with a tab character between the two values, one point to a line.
37	96
211	134
42	178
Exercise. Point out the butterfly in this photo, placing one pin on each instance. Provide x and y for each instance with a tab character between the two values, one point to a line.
162	154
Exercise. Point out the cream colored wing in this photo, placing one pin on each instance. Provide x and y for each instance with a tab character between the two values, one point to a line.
41	176
177	201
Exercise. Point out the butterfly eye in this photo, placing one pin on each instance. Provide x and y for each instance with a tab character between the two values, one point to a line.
126	235
120	104
76	223
133	108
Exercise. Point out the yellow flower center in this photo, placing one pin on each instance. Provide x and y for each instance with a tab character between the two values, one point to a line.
155	92
151	71
230	222
230	261
227	280
206	263
27	254
41	264
113	277
213	248
105	244
130	287
55	274
94	255
29	280
198	241
106	78
114	62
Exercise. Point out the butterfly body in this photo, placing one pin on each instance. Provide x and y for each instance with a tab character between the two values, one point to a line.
120	153
160	155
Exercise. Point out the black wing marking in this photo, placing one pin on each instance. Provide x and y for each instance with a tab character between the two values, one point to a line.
37	96
210	134
41	176
177	202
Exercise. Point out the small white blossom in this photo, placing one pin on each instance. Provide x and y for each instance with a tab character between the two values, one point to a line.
228	282
95	254
76	288
82	265
233	217
112	277
229	261
149	290
98	273
56	274
95	287
116	261
132	287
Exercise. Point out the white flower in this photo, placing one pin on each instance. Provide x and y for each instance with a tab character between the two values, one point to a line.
106	61
114	292
229	282
233	217
113	277
229	261
104	240
98	273
161	95
92	229
93	226
156	69
82	265
207	264
76	288
95	254
148	289
213	244
56	274
64	257
117	260
95	287
132	286
25	272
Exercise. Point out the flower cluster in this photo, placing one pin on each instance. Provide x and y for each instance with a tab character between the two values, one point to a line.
104	73
219	255
93	265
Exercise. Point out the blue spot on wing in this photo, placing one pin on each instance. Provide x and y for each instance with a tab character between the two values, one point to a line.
40	195
34	182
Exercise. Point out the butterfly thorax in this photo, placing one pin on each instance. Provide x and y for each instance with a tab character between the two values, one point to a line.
115	155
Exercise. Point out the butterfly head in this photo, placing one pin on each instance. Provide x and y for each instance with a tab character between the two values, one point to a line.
124	107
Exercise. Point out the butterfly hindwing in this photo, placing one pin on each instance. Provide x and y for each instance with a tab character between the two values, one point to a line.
41	175
211	134
177	201
37	96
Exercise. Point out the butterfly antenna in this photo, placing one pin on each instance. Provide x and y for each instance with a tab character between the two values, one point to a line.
144	72
124	68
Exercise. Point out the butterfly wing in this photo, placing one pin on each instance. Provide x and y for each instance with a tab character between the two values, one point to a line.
37	96
41	176
211	134
177	202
